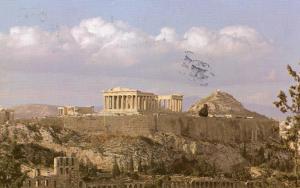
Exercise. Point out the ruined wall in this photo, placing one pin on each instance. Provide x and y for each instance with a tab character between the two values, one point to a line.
213	129
219	129
6	115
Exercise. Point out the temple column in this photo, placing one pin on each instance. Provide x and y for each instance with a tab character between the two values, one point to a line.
132	102
122	102
168	104
146	103
173	105
104	102
118	102
112	102
129	102
109	102
180	105
158	103
150	103
136	102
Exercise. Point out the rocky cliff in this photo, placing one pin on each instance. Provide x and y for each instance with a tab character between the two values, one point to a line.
168	152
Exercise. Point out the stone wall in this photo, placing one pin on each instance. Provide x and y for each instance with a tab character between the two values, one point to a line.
213	129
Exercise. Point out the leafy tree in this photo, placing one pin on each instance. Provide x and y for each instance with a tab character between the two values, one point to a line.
291	104
10	172
131	167
10	166
203	112
140	167
115	170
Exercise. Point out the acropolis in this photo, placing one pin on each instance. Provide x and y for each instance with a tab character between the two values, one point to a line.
131	101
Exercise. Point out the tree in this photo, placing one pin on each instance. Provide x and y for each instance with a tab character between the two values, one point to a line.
10	172
115	170
140	167
10	166
131	165
291	105
203	112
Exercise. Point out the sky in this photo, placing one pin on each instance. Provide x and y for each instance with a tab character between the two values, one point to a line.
68	52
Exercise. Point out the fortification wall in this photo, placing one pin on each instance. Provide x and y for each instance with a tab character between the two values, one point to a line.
213	129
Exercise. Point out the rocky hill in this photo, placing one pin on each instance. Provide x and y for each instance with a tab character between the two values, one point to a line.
158	152
222	103
28	111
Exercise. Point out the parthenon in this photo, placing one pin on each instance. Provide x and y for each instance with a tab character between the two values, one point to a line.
132	101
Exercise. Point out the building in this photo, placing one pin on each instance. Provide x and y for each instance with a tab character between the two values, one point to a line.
131	101
6	115
65	175
75	110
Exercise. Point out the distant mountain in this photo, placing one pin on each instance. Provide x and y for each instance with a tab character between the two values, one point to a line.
34	110
222	103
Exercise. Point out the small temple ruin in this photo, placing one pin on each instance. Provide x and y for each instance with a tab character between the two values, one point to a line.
6	115
74	110
132	101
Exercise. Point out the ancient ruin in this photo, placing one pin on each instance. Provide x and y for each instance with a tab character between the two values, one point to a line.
66	175
74	110
6	115
131	101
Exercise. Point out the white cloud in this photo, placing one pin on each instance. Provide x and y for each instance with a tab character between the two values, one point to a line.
235	41
167	34
97	41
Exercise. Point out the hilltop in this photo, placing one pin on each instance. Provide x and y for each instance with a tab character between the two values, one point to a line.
28	111
222	103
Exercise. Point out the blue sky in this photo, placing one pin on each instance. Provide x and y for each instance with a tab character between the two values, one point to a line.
53	54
